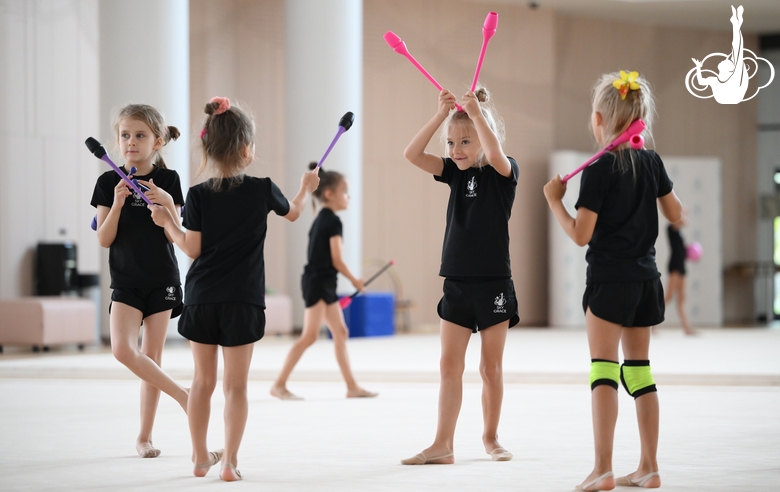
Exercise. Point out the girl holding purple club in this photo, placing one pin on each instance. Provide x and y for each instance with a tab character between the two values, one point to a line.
479	295
144	271
226	224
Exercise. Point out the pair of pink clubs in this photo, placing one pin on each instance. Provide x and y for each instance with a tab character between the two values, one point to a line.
488	30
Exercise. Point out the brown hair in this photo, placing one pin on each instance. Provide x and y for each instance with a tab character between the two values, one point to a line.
461	118
154	120
329	180
224	138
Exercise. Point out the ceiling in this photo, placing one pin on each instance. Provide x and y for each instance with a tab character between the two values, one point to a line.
760	17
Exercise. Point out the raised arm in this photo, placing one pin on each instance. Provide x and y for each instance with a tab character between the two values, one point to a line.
415	151
491	146
309	182
580	228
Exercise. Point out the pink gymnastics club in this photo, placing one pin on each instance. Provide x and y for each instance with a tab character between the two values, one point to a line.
344	302
633	135
398	45
488	30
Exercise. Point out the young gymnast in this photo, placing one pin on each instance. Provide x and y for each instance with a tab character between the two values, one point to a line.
617	217
318	285
226	224
676	285
479	294
144	271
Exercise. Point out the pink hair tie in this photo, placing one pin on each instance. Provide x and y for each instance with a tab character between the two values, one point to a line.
223	102
203	133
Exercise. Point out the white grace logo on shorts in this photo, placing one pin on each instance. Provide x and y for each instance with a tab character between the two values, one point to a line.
500	302
170	293
471	186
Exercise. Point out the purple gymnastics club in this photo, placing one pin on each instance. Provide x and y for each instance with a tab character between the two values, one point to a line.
398	45
97	149
633	134
345	123
488	30
133	170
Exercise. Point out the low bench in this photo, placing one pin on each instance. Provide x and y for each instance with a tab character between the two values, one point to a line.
45	321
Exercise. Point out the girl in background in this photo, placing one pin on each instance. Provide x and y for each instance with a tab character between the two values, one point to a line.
226	224
617	217
676	285
144	271
318	285
479	294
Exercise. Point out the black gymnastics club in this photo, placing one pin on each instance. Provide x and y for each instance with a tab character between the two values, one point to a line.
345	123
344	302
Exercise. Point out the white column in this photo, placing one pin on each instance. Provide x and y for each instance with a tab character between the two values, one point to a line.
144	58
324	45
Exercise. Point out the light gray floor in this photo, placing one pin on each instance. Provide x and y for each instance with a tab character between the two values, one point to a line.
68	420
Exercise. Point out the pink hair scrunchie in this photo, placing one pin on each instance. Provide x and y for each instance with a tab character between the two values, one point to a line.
223	102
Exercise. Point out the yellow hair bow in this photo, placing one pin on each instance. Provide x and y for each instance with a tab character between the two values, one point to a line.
625	82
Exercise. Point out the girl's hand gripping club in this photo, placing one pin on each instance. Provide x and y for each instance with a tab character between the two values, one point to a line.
398	45
488	30
345	123
633	135
344	302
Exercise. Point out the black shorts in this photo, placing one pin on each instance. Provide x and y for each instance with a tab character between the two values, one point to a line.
630	304
228	324
150	301
316	287
478	303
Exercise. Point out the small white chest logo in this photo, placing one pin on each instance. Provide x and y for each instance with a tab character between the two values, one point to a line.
500	303
170	293
471	187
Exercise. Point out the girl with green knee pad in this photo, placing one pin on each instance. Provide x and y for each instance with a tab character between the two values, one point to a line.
617	217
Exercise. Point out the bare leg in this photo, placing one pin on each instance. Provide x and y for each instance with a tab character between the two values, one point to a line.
491	370
312	321
152	342
681	296
125	323
199	405
454	341
237	360
636	346
334	319
603	340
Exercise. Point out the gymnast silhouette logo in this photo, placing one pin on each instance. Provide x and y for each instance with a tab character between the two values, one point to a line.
500	302
735	70
471	186
170	296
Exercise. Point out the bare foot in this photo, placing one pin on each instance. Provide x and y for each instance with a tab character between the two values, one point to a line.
360	393
497	452
431	457
651	480
201	469
146	449
283	394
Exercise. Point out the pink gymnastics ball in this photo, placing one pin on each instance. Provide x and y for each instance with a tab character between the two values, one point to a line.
693	251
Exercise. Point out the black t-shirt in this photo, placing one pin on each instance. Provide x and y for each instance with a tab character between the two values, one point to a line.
141	257
233	224
325	226
622	248
476	239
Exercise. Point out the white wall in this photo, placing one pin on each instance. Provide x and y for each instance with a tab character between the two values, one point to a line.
49	83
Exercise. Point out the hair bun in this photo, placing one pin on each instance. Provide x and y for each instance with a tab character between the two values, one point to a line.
312	165
171	133
482	95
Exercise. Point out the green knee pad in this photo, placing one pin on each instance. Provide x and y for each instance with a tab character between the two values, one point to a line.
604	372
637	378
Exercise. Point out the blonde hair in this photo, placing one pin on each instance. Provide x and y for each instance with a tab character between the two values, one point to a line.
154	120
617	114
224	138
462	120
